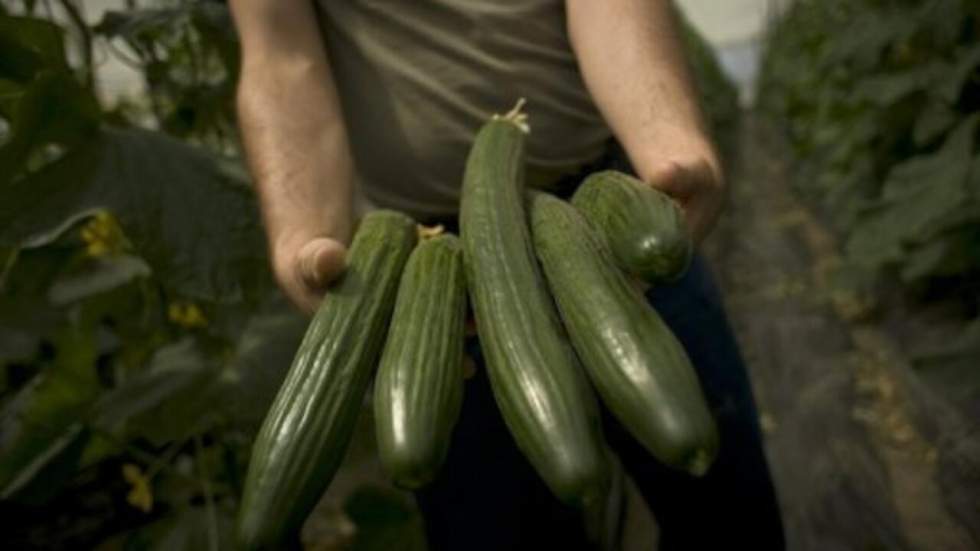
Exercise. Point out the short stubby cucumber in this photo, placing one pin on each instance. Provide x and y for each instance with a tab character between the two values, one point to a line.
637	364
419	386
642	227
309	426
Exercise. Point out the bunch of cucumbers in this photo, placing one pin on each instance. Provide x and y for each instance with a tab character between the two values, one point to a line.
553	289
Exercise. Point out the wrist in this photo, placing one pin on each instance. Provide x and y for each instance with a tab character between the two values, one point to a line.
670	148
291	234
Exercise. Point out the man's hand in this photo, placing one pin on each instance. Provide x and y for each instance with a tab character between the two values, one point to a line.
305	266
633	64
695	181
296	144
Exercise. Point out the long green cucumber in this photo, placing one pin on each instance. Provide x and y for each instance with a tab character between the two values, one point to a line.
640	369
419	386
539	387
310	423
644	228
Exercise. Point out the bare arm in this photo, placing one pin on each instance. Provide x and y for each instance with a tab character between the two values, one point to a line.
632	60
296	143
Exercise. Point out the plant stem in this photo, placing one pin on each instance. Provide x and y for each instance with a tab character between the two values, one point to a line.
9	259
75	15
208	495
162	461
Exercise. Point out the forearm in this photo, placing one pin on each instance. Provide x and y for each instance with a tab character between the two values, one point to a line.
633	63
292	128
297	153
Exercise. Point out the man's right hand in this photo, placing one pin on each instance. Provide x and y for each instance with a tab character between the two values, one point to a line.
295	143
305	267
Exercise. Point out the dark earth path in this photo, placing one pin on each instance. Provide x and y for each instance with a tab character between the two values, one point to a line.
865	455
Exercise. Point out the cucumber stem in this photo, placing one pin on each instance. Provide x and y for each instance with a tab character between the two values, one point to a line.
515	116
428	232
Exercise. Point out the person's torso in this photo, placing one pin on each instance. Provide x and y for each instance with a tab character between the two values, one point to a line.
417	79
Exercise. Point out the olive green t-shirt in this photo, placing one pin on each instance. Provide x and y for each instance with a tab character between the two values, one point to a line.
417	79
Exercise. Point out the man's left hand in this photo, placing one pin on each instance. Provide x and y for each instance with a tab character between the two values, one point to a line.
696	182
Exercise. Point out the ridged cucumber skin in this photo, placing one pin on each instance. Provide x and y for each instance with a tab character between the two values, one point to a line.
643	227
309	425
539	387
638	366
419	386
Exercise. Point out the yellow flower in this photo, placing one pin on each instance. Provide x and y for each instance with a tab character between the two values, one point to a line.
140	494
102	235
187	315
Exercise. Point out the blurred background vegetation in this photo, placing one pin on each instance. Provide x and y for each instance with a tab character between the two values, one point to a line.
141	338
882	103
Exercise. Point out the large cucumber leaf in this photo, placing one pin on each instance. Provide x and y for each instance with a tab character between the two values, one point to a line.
190	215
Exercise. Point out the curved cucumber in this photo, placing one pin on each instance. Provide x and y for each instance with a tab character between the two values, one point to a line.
307	430
419	386
644	228
539	387
639	368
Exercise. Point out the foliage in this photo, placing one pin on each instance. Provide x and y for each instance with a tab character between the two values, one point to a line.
141	338
385	521
188	54
882	102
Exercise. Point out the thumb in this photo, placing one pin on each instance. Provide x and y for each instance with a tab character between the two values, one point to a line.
321	261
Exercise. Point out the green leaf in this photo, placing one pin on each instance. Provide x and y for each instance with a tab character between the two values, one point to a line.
131	24
56	467
918	193
880	236
213	21
167	401
385	519
10	94
933	122
929	260
861	40
966	65
888	89
194	222
185	529
96	276
262	357
55	108
973	180
948	255
30	45
967	342
15	347
965	345
41	420
925	173
190	530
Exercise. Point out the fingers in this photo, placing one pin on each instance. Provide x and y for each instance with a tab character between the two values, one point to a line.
305	268
320	262
697	187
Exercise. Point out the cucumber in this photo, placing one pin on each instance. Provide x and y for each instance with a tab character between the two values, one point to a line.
541	391
641	371
643	227
309	425
419	386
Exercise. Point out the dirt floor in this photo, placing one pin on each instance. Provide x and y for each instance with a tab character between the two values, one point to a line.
866	455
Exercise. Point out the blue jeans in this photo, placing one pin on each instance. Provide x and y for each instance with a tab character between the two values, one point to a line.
488	497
